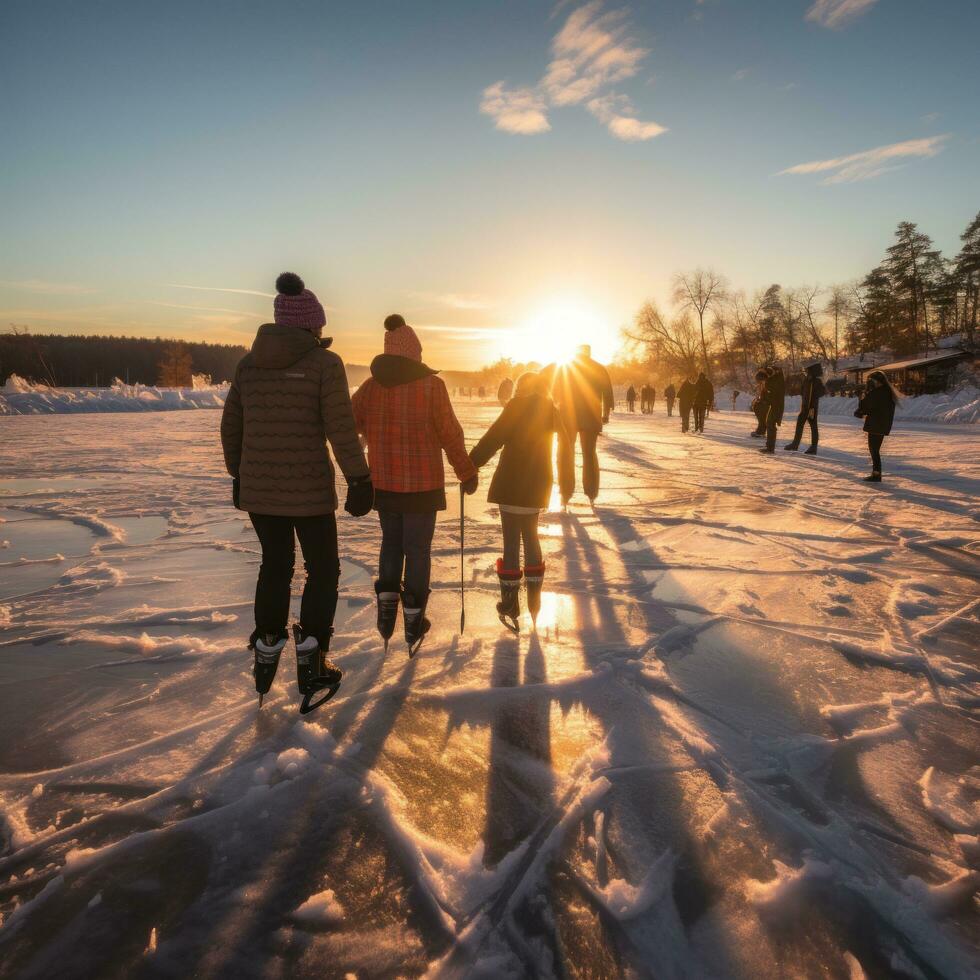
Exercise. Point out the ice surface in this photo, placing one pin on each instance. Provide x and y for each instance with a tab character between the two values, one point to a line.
743	741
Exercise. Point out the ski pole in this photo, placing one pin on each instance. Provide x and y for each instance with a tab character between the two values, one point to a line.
462	585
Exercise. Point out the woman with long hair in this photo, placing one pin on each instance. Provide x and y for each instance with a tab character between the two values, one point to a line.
877	408
521	488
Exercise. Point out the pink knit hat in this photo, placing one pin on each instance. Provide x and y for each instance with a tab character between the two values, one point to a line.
401	339
296	306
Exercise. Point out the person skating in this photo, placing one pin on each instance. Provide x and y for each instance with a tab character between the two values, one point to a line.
584	395
288	400
685	398
775	396
404	413
759	404
877	408
521	488
670	394
651	399
631	398
735	395
811	391
704	396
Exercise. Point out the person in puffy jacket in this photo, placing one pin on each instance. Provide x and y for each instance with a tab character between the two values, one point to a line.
811	391
288	400
685	396
877	408
631	399
407	421
704	397
521	487
775	398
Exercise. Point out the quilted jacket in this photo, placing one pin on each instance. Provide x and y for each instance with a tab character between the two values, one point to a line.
288	400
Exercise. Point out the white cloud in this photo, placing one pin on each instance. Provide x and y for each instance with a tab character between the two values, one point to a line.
740	74
837	13
515	110
593	50
456	301
870	163
221	289
616	113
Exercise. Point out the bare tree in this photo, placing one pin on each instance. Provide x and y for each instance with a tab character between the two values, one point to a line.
839	307
805	299
673	343
699	291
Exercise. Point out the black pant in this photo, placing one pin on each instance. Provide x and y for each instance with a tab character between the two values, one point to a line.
517	527
771	426
670	407
406	550
318	539
699	411
875	439
566	464
685	419
760	416
801	420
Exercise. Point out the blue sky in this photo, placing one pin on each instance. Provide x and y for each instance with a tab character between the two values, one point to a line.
476	166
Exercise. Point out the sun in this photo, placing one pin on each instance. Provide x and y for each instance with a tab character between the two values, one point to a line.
554	331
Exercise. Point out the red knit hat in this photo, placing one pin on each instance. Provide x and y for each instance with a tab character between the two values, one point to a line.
296	306
401	339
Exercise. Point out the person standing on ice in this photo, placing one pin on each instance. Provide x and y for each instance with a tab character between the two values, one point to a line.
811	391
775	396
759	405
505	392
583	392
631	398
288	400
404	413
877	408
704	395
521	488
686	398
670	394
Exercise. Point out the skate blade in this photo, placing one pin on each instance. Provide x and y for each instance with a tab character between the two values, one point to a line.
511	624
309	705
413	648
261	698
387	640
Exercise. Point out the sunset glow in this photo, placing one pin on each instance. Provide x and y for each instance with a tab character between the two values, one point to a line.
555	329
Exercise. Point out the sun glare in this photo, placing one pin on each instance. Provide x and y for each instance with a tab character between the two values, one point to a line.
557	328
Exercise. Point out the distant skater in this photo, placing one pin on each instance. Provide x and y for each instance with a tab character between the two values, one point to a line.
704	396
760	406
735	395
811	391
775	396
631	398
288	400
651	398
877	408
521	488
404	413
584	395
686	398
669	395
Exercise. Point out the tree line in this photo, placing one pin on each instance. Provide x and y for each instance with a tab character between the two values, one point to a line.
910	300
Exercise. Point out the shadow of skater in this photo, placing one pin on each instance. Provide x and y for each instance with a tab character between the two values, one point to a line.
520	781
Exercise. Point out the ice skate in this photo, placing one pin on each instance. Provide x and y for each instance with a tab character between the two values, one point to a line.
509	607
534	576
416	624
388	599
268	649
315	672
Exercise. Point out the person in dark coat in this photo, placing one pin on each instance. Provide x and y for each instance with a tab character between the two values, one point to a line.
775	395
521	487
759	405
704	395
811	390
631	398
735	395
584	394
670	394
651	398
505	391
877	408
686	398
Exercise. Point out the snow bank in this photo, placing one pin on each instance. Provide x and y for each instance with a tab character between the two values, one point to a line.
20	397
959	405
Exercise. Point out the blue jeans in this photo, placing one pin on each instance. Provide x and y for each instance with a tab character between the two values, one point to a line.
406	551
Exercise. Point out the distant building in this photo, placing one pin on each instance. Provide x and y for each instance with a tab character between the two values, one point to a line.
922	375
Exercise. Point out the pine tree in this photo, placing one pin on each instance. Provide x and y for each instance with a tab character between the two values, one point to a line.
912	264
967	265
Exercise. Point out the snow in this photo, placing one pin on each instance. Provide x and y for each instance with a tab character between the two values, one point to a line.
743	741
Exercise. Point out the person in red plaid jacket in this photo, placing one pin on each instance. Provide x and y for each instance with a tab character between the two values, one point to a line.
406	419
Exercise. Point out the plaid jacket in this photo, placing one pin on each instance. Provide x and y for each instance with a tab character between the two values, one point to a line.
406	427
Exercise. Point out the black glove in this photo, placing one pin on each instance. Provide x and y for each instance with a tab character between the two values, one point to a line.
360	496
236	491
469	486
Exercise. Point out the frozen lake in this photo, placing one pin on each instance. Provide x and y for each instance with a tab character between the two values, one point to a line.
744	741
